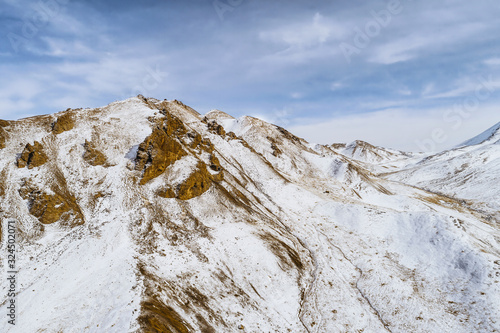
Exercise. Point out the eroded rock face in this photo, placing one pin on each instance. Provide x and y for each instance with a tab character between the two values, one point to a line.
93	156
196	184
156	153
50	208
168	143
32	156
63	123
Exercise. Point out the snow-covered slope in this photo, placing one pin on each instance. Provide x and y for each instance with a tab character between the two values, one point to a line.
145	216
470	172
490	135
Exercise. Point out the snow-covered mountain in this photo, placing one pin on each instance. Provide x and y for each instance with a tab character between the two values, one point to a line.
470	172
145	216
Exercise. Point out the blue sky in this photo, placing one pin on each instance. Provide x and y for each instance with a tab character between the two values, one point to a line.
406	74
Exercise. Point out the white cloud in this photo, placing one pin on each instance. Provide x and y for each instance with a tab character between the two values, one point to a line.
468	87
492	62
408	130
304	34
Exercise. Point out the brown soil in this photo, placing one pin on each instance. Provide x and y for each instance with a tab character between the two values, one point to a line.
157	317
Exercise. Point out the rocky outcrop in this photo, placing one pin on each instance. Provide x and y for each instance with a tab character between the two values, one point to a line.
56	206
156	153
160	149
63	123
196	184
3	137
3	133
215	128
274	146
168	143
93	156
173	125
32	156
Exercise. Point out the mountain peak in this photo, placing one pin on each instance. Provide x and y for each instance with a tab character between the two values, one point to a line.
489	134
145	216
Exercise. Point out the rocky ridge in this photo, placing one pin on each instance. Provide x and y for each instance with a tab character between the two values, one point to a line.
145	216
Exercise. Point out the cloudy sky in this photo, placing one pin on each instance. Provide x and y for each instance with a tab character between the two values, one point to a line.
407	74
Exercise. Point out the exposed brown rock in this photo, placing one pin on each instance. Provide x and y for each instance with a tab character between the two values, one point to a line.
207	145
232	136
289	135
338	145
3	177
4	123
196	184
216	128
63	123
49	208
156	153
276	151
32	156
167	193
93	156
214	163
215	166
196	139
173	125
3	137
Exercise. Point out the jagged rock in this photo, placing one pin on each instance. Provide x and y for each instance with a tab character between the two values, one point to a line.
196	139
207	145
63	123
93	156
156	153
50	208
232	136
214	163
4	123
173	125
32	156
216	128
289	135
